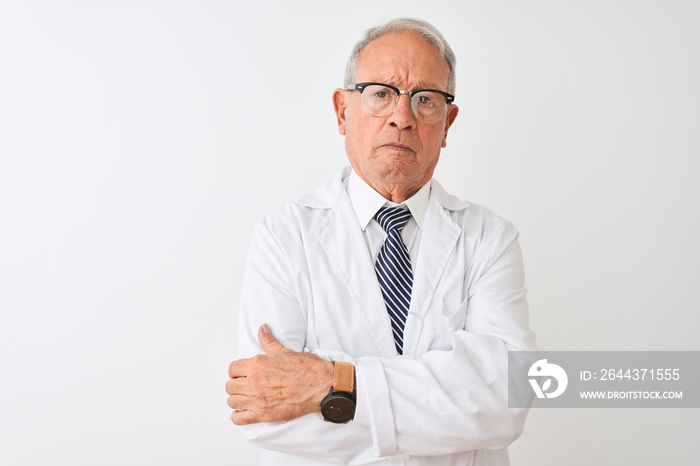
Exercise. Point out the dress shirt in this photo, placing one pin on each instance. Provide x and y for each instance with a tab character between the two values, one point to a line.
366	202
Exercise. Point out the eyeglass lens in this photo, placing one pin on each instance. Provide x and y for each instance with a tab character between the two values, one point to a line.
380	101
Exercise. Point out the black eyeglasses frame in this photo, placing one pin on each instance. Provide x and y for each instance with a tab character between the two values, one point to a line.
361	87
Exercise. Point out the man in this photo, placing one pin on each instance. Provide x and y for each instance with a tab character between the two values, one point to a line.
394	325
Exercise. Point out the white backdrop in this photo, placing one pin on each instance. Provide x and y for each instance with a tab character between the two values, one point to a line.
141	140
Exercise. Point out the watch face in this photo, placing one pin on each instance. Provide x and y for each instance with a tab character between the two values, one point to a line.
338	409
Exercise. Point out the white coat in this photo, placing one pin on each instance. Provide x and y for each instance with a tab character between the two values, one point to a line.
309	275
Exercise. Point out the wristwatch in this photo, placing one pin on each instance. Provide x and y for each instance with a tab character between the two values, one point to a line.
339	405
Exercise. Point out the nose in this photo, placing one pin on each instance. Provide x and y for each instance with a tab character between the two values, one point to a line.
402	117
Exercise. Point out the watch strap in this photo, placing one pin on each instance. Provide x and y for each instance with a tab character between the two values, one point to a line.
343	377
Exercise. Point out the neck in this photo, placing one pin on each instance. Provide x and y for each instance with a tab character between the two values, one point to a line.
395	193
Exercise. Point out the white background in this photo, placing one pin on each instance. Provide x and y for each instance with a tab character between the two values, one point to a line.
141	140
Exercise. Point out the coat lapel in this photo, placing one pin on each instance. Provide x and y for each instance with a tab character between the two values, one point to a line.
344	244
437	244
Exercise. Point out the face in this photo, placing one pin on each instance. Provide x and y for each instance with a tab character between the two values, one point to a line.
396	155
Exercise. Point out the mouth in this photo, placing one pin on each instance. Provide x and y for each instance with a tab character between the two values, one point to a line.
396	146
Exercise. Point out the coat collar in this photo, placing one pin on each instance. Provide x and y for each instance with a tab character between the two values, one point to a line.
343	242
327	195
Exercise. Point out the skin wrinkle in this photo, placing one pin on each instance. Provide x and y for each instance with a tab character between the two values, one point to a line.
396	155
277	386
395	81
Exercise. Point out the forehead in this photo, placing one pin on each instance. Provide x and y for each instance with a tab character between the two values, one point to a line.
404	59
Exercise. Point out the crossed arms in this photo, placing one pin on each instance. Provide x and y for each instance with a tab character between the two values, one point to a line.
441	402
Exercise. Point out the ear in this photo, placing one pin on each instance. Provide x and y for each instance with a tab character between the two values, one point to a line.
452	112
340	104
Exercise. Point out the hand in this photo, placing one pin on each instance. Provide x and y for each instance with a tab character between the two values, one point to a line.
279	385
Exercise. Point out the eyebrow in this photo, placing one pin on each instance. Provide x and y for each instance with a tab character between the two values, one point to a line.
392	81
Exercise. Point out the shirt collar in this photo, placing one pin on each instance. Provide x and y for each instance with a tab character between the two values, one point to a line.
366	201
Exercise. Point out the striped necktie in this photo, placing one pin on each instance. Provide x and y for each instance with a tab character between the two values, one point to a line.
393	269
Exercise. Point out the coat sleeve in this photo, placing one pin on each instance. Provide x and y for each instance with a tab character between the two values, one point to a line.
269	295
441	402
445	402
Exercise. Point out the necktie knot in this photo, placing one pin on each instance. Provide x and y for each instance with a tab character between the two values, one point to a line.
392	218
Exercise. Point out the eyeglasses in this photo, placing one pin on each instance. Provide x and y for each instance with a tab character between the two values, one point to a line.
380	100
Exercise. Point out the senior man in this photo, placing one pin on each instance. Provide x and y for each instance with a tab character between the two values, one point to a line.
377	312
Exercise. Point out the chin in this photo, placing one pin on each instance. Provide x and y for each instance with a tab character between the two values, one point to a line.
396	174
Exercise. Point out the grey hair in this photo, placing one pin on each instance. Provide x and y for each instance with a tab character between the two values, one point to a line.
422	28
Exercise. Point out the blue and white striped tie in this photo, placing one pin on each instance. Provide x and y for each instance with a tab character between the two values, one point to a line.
394	270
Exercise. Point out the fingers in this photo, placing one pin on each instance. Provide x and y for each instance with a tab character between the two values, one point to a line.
241	367
255	415
234	386
238	402
264	388
234	370
243	417
268	341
